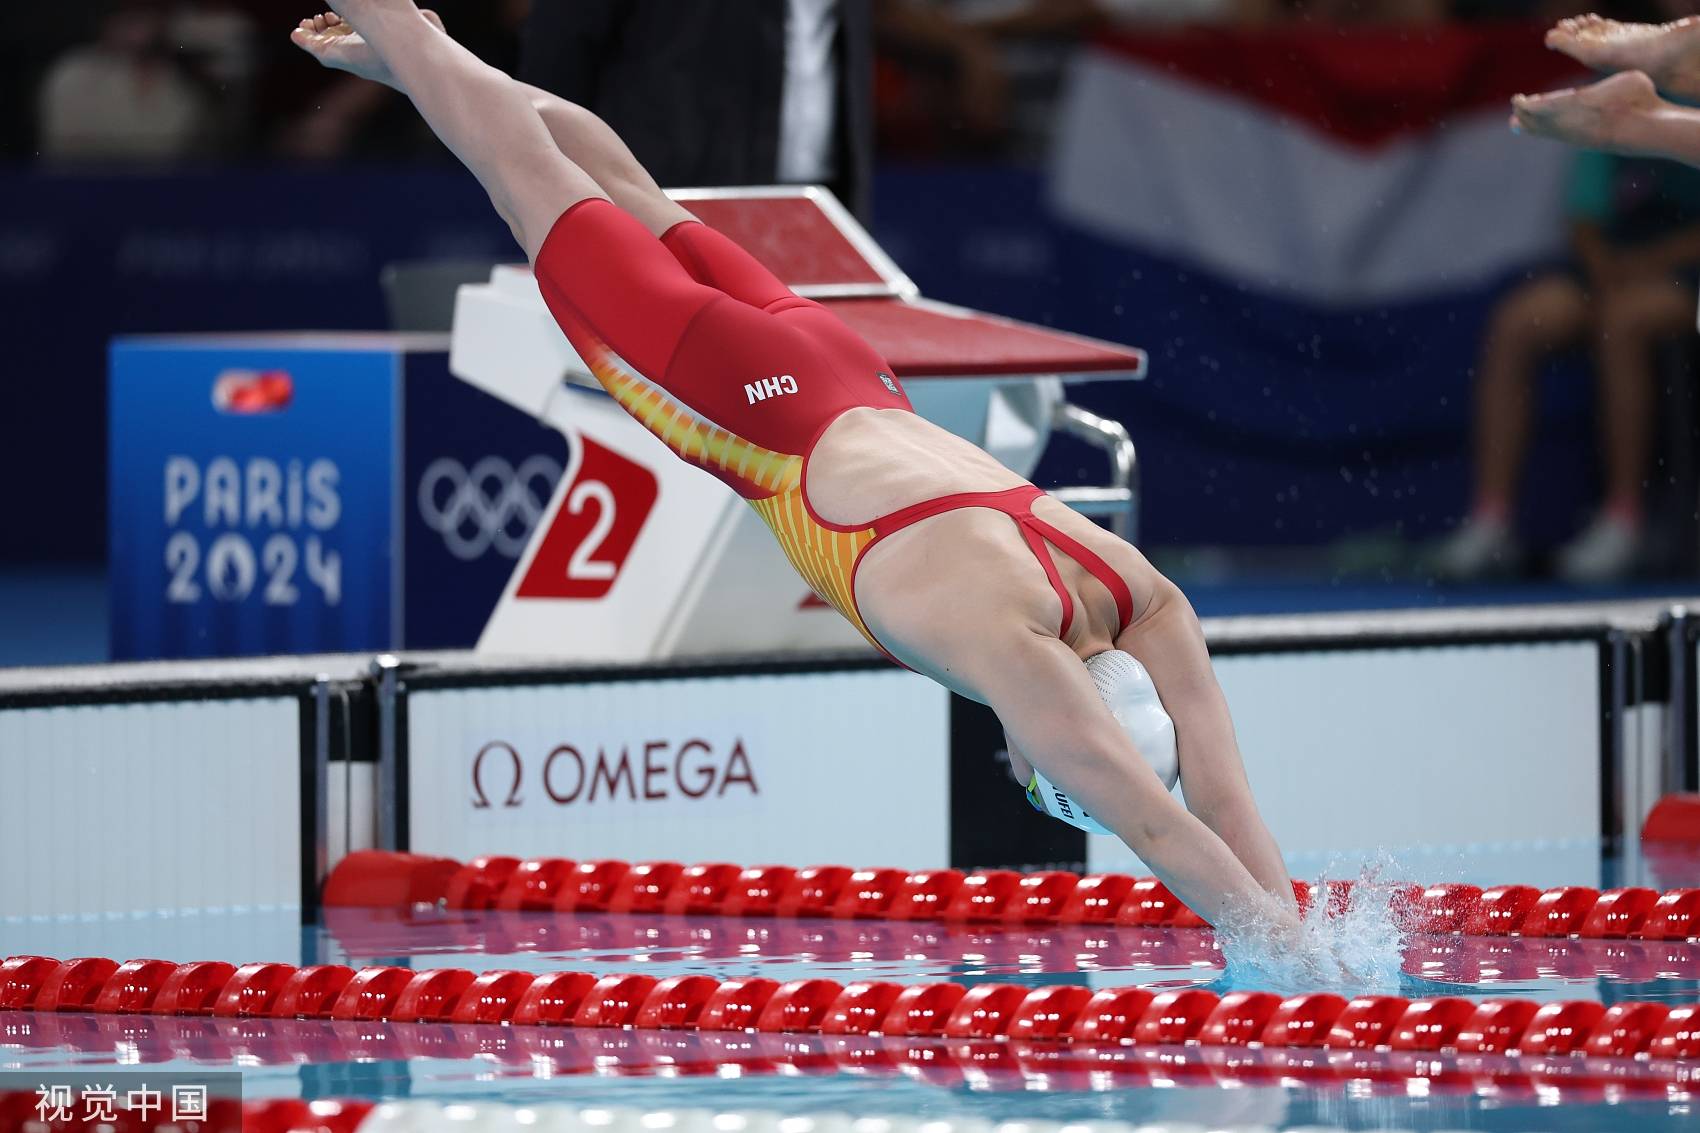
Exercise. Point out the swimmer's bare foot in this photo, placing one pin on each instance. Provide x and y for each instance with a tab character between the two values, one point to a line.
1609	115
1669	54
334	43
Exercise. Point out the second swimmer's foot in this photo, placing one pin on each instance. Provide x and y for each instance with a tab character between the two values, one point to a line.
1669	54
1593	117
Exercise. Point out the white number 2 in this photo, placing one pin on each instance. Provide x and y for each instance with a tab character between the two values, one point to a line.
581	567
182	558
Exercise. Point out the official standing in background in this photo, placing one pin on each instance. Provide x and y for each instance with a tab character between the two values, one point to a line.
720	92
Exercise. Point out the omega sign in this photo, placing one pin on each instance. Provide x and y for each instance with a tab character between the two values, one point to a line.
569	775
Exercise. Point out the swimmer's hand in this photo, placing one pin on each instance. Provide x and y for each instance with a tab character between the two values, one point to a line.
1271	946
335	44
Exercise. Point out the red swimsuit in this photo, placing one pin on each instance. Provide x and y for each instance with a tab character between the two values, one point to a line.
740	376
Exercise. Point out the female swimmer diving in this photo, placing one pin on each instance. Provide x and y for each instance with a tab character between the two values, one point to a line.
948	562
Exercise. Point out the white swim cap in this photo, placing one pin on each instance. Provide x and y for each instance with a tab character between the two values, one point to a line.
1129	693
1131	696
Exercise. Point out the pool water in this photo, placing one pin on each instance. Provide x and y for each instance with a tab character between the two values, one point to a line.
995	1080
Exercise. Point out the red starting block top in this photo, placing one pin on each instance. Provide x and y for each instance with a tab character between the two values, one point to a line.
802	235
805	237
924	339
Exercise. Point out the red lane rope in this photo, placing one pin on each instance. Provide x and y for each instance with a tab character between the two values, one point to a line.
381	879
1047	1015
998	1064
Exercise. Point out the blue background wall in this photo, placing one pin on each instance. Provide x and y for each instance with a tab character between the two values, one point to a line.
1261	424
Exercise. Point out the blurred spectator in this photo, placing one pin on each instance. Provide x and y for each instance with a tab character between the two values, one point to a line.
220	37
1006	18
126	96
952	81
1372	11
987	76
721	92
327	129
993	79
980	78
214	41
1025	18
1631	286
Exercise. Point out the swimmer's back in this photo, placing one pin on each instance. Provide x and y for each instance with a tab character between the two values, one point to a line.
870	463
778	398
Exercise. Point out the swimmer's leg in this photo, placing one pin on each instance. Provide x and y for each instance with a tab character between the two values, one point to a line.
584	138
610	283
710	257
482	115
592	145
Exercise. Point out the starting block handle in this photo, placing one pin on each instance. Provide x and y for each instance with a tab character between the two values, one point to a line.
1119	500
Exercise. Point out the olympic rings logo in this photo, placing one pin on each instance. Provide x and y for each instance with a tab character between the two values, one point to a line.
491	505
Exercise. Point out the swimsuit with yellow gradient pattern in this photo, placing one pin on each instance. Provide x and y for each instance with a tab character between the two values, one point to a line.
739	376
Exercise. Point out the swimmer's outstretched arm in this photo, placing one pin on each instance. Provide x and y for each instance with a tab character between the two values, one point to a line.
1054	716
482	115
584	138
1167	639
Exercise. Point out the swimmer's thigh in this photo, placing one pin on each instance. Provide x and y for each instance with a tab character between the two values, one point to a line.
716	260
612	286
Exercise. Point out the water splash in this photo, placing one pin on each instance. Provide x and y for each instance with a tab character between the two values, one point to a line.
1347	941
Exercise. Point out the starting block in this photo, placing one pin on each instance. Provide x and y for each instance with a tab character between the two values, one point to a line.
640	557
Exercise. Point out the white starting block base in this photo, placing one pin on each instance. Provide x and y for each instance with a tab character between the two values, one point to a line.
703	576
